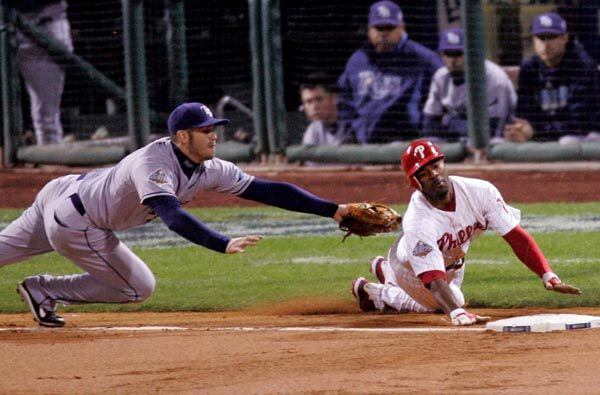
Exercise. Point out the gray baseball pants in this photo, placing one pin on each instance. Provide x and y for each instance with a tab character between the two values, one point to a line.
112	272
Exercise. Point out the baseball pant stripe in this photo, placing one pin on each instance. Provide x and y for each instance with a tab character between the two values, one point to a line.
110	266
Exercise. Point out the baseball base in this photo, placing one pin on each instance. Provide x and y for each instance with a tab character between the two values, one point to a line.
544	323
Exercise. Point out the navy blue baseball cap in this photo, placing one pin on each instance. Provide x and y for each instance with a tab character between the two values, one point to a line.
452	39
385	13
192	115
549	23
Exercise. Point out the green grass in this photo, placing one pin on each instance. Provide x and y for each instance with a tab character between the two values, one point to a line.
283	268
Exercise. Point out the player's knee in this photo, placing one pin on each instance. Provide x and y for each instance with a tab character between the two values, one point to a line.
144	289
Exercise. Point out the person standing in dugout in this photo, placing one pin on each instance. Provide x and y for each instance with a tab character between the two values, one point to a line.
425	266
76	215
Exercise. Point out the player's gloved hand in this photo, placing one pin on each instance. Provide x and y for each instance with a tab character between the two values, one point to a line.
461	317
239	243
553	283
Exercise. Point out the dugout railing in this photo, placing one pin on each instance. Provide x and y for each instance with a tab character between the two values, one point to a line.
135	60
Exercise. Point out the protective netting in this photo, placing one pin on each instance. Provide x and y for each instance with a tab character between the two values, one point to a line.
316	36
322	37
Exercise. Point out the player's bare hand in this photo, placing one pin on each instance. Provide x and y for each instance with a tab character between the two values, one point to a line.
518	131
553	283
238	244
341	212
462	317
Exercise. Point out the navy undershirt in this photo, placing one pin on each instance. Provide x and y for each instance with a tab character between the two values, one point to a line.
186	164
278	194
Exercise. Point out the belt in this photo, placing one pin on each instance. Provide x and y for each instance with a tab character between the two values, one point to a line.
76	200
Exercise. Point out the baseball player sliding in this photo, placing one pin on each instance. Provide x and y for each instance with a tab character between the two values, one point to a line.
425	266
76	215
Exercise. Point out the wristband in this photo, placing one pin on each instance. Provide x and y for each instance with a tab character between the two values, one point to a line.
549	276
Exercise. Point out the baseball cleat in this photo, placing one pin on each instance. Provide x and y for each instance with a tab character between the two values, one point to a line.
41	315
376	268
358	290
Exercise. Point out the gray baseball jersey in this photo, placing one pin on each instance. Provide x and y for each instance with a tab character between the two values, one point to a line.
318	134
76	216
113	197
449	100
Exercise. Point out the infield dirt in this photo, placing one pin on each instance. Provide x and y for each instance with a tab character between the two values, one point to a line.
207	359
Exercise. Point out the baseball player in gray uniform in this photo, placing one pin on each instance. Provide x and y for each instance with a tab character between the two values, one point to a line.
76	215
43	77
445	112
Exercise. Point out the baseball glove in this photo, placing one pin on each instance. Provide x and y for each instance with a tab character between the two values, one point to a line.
367	219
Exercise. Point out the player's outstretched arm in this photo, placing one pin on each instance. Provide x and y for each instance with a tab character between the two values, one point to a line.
445	298
527	250
238	244
289	197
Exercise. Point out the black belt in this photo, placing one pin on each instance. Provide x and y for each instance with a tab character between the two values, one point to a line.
76	200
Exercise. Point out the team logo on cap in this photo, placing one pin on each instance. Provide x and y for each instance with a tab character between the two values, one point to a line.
159	177
422	249
546	21
453	38
206	110
383	11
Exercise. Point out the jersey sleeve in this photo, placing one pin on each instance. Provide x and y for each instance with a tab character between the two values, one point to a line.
226	177
500	217
422	250
433	105
153	179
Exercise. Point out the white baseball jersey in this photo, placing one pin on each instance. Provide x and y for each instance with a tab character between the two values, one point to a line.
113	197
434	239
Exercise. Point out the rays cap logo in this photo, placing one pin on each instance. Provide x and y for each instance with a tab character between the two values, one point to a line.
385	13
452	39
192	115
549	24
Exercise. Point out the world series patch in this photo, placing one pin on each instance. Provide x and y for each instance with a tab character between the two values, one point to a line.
158	176
422	249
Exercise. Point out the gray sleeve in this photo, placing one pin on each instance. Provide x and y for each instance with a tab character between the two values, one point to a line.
433	105
311	135
226	177
502	97
153	178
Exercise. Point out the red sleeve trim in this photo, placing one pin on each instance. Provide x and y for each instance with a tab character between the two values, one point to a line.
431	275
527	250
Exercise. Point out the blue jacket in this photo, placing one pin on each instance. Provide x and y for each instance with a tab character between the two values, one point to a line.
563	100
381	95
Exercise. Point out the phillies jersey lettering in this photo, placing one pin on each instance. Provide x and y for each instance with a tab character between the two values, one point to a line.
448	241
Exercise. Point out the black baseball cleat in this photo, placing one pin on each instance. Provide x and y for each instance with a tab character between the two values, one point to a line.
41	315
364	301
